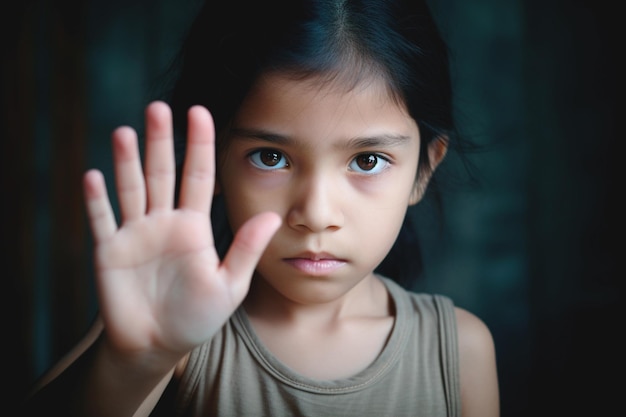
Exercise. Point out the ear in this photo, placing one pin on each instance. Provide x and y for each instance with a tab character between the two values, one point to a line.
437	150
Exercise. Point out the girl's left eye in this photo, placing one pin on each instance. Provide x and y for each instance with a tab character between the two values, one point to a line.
268	159
369	163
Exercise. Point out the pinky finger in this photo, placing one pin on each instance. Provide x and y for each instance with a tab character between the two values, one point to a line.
99	210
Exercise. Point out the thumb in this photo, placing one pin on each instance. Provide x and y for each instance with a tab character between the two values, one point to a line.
248	245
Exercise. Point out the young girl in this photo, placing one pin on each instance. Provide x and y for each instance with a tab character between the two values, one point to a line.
329	119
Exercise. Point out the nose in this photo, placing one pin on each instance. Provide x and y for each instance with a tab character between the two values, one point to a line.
316	206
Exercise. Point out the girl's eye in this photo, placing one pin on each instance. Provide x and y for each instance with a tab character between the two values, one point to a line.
268	159
368	163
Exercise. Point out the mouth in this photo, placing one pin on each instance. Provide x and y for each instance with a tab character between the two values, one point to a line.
316	264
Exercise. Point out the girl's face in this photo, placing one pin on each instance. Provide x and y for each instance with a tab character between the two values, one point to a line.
339	168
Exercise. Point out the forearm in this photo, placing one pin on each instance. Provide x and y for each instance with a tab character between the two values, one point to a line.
117	386
102	383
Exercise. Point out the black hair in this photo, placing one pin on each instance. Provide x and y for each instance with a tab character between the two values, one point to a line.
231	43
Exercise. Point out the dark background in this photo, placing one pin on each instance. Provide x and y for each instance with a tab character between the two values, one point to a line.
532	251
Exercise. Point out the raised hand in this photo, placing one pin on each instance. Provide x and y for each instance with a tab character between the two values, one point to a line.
161	286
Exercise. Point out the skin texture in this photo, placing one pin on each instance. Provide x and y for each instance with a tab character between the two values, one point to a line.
312	138
162	288
316	181
339	219
327	201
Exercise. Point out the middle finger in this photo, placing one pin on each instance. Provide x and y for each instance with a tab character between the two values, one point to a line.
160	163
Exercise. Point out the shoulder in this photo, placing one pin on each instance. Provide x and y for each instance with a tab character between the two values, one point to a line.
477	366
473	333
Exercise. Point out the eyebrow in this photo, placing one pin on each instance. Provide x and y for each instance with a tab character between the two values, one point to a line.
385	140
261	135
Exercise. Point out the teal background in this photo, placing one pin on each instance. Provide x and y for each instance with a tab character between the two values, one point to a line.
532	250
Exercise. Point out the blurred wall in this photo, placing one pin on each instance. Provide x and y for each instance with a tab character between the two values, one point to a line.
529	250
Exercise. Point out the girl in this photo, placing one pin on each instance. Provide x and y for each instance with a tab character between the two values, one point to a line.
329	119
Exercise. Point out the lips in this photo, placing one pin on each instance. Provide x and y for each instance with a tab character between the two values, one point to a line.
316	264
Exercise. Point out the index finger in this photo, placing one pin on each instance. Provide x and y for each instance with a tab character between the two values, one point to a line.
198	176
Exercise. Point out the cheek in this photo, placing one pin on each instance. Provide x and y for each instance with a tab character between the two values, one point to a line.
246	197
379	214
384	197
375	238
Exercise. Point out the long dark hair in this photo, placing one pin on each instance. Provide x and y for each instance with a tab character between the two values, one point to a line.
230	45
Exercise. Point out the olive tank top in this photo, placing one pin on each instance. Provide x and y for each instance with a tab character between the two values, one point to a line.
416	373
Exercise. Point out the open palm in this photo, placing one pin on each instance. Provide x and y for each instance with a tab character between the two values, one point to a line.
161	285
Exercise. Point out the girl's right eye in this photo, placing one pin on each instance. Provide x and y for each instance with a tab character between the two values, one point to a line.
268	159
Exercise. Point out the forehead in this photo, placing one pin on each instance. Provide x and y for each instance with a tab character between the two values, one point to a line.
319	107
